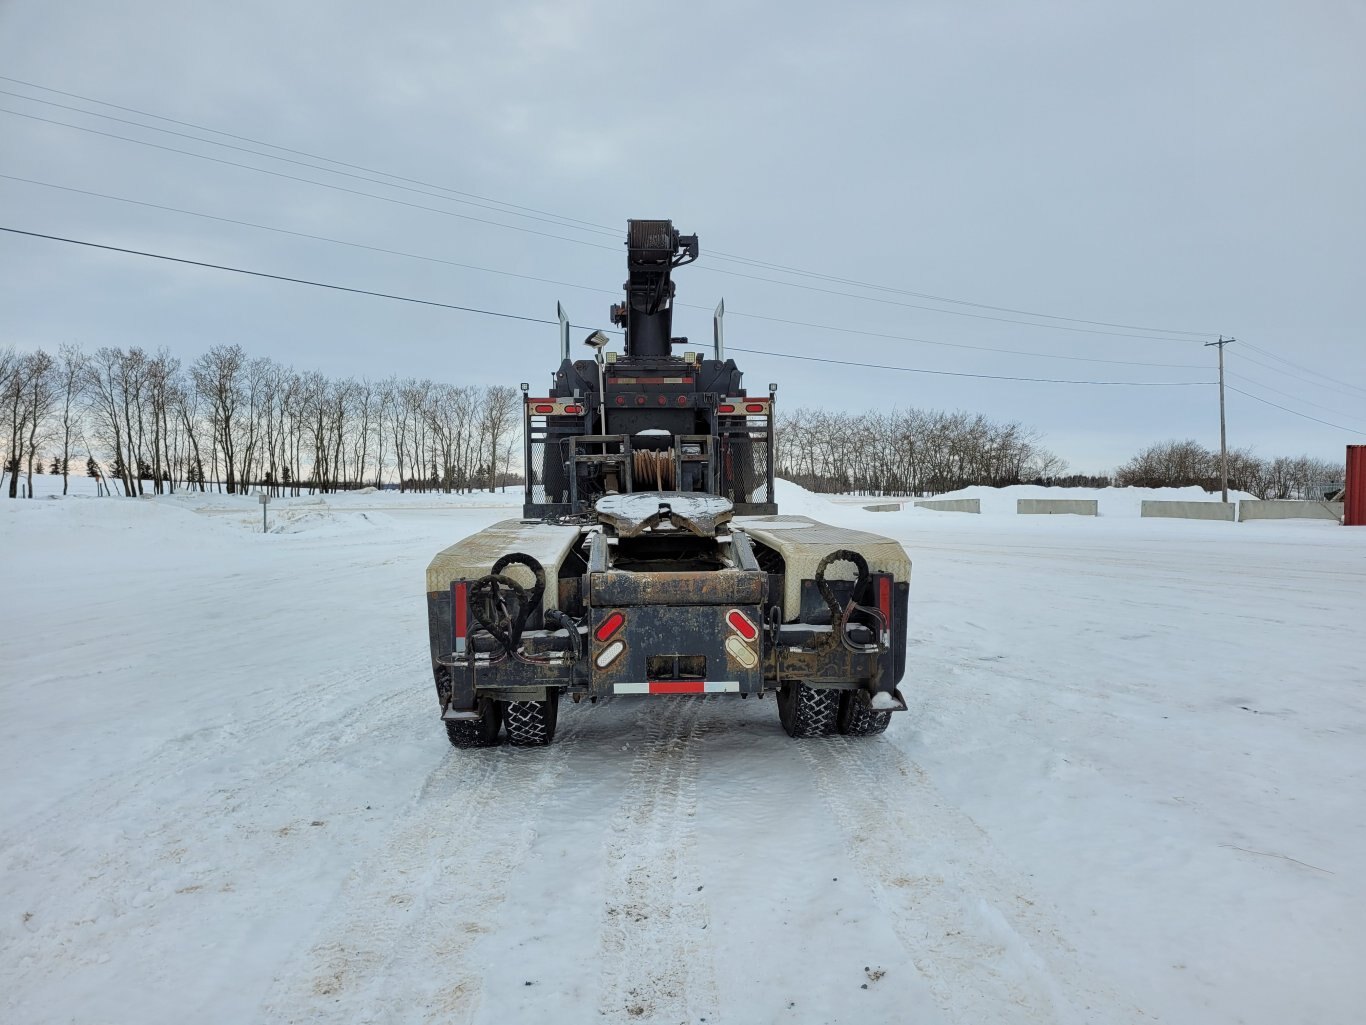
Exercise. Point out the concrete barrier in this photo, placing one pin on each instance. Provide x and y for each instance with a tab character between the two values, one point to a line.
1289	509
967	505
1054	506
884	507
1191	510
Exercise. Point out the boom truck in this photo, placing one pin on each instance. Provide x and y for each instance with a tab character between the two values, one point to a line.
650	557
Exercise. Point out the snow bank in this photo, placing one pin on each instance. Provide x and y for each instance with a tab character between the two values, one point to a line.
1112	501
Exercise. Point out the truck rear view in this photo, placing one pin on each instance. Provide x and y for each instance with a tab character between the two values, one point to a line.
651	558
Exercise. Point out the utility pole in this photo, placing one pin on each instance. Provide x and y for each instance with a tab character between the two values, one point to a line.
1223	431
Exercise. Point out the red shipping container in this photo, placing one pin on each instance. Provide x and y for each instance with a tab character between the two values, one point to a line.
1355	513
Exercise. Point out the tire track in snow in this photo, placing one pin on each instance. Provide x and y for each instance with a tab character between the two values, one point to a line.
989	952
302	709
656	961
395	949
124	876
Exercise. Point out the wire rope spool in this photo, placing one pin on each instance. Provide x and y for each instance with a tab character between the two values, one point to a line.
653	470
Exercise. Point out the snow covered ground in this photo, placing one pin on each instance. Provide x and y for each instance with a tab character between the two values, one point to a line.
1129	789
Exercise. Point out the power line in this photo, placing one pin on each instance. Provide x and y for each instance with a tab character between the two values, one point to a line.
543	234
307	235
541	320
1298	377
958	345
591	288
1195	335
954	373
308	181
1307	370
931	309
1306	416
1303	401
280	277
289	160
271	145
570	222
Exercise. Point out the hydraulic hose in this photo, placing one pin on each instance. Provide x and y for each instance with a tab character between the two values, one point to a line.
840	617
502	625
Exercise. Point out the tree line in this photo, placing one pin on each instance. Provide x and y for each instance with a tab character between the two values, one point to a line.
909	452
1176	464
146	423
917	452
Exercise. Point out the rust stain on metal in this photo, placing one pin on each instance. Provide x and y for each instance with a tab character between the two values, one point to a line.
632	515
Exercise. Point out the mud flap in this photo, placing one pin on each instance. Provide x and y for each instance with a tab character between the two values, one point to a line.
882	701
462	704
473	715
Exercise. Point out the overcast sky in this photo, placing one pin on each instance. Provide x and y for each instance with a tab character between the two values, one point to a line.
1191	167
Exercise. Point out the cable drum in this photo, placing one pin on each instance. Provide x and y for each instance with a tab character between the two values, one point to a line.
651	469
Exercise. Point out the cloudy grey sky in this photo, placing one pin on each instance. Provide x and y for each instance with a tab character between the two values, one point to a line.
1192	167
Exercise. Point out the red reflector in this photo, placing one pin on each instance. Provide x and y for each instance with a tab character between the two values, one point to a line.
740	623
544	408
682	400
884	597
725	409
754	407
609	626
459	615
573	409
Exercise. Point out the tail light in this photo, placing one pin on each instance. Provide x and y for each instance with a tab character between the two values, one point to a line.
743	625
741	652
609	626
609	654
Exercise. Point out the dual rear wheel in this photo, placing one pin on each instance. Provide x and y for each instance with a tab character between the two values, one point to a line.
804	712
529	723
814	712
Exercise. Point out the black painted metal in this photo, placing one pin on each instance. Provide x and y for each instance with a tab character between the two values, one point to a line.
647	398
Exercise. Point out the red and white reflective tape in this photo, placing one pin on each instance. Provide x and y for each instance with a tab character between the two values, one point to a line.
679	687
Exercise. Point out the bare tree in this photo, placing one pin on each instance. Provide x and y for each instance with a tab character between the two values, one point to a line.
11	395
71	372
500	413
29	397
218	376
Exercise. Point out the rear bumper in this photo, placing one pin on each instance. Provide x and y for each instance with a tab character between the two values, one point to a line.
661	649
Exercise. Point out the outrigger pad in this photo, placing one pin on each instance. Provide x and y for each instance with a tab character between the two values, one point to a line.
632	515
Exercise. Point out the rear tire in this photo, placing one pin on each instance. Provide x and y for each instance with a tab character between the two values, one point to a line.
806	711
532	723
856	719
465	733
